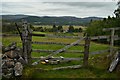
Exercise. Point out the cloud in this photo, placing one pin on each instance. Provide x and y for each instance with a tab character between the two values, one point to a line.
78	9
59	0
86	4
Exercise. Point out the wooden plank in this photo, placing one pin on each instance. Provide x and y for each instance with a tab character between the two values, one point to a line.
64	48
117	38
55	36
68	67
36	42
73	59
99	37
112	40
58	58
74	51
108	29
60	68
70	51
114	62
99	52
41	50
67	59
104	37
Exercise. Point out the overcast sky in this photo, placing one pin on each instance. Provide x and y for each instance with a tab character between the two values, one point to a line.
77	8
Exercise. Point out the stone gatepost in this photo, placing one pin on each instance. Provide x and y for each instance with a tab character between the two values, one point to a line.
26	42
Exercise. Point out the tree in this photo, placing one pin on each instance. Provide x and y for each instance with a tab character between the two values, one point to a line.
39	29
9	27
32	27
71	29
95	27
80	30
117	11
109	17
54	29
60	28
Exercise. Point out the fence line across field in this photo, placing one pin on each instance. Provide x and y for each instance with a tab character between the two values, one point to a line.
71	59
57	43
49	51
116	37
26	37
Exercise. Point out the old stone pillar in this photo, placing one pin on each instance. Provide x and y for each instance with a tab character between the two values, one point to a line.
27	38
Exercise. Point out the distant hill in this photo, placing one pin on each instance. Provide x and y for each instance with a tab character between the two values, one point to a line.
11	17
0	17
49	20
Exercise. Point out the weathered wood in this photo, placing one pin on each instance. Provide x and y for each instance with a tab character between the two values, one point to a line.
73	59
70	59
36	42
115	61
86	52
41	50
113	37
108	29
116	38
60	68
65	48
99	52
61	60
58	51
112	40
69	37
104	37
70	51
68	67
99	37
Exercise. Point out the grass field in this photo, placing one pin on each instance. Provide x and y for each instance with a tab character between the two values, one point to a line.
65	27
98	63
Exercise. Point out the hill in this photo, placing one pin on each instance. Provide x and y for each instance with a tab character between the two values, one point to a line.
11	17
49	20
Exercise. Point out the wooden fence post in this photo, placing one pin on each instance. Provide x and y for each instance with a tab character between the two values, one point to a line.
112	37
29	44
112	40
86	51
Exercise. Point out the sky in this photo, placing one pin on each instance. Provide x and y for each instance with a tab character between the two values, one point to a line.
77	8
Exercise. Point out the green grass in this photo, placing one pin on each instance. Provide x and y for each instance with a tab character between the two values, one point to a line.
76	73
48	39
36	54
98	63
35	32
47	47
70	55
7	40
65	27
96	47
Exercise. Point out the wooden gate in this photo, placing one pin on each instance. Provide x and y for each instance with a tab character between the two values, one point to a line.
27	43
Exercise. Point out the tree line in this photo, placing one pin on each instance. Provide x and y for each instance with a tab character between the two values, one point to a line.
58	28
95	28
